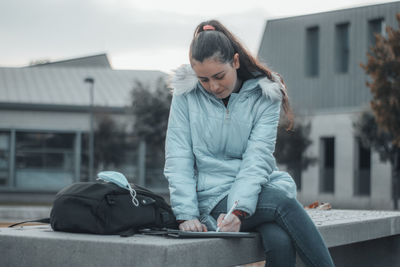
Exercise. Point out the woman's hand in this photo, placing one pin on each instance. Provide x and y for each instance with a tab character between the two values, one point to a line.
230	224
192	226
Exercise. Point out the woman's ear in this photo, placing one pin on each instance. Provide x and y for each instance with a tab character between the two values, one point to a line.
236	62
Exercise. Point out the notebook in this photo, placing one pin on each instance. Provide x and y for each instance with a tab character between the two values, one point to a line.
210	234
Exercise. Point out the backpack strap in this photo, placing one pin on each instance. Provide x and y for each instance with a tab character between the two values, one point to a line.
128	233
44	220
154	231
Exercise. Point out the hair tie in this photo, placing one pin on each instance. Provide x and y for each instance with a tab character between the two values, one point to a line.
208	27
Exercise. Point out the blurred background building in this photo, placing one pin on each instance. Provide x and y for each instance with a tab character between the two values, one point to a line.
319	57
45	124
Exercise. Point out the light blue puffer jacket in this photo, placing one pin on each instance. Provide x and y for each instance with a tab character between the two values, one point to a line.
213	151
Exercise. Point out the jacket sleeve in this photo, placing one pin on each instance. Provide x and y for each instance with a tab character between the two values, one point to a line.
179	161
258	161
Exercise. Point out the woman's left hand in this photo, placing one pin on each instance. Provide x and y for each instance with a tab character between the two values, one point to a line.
231	224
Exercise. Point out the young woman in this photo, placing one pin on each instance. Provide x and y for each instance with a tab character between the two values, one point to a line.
219	150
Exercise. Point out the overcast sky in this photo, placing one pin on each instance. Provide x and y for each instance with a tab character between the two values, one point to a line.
136	34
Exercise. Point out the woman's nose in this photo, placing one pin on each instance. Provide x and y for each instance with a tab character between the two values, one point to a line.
214	86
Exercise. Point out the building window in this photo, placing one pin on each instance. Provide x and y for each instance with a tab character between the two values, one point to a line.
44	160
312	52
4	158
375	26
362	177
342	48
327	167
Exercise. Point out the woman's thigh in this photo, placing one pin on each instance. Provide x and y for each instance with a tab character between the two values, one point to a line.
270	201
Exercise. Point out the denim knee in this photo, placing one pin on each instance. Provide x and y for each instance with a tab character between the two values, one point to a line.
277	198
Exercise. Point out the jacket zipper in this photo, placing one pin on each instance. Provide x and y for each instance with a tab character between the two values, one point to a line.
227	114
230	103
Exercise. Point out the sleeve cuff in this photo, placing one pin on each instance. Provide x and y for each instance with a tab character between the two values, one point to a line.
185	217
240	214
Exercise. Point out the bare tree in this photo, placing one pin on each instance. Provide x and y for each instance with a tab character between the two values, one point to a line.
383	67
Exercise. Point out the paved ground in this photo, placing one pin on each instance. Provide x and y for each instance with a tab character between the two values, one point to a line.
18	213
6	224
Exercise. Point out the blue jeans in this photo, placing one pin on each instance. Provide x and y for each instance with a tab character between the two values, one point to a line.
285	228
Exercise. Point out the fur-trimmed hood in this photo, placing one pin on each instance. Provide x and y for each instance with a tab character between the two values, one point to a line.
184	80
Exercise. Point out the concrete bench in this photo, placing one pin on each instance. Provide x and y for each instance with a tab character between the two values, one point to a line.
354	237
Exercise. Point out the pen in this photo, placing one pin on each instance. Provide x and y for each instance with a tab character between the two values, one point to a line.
229	212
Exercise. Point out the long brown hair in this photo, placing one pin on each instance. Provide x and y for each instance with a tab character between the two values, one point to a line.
221	43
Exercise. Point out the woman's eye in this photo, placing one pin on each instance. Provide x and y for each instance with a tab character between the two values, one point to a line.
203	80
220	77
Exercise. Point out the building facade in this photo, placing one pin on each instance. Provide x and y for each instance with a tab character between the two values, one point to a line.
319	57
45	122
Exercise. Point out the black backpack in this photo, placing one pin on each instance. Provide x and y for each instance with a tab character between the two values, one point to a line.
107	209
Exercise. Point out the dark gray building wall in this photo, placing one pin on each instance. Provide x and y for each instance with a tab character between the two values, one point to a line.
283	49
331	101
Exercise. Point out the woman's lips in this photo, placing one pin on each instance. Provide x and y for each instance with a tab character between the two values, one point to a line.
220	92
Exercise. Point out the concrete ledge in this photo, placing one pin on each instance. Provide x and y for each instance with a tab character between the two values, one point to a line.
40	246
22	213
342	227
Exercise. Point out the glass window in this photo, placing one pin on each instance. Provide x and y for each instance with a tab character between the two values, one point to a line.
342	48
327	168
4	158
44	160
312	52
44	140
362	179
374	26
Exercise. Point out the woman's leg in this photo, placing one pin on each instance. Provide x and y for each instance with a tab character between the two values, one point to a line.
278	247
275	205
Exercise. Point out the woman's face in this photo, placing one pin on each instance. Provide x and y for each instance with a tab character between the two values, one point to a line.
219	79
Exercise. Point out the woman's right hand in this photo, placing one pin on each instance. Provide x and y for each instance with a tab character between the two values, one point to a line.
192	226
